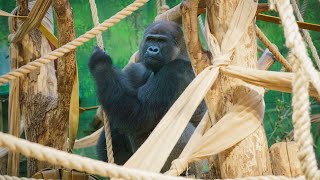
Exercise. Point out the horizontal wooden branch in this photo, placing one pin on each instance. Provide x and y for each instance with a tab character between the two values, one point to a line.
174	14
276	20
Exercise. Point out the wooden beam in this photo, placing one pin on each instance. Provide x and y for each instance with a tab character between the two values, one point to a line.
276	20
174	14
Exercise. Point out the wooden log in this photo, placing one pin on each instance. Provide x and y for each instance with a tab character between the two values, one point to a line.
38	95
284	159
13	165
250	157
66	65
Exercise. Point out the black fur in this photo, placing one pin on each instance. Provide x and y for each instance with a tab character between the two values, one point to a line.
136	98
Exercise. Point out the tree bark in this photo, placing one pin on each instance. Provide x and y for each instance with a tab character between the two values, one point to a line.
45	100
38	95
13	161
284	159
66	64
250	157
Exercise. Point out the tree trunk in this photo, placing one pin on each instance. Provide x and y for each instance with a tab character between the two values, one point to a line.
44	104
38	94
249	157
66	65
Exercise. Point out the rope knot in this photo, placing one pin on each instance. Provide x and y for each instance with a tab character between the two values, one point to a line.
221	59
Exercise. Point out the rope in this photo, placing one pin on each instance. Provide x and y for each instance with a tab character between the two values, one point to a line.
303	7
72	161
95	18
22	71
302	66
107	133
273	49
6	177
306	34
162	6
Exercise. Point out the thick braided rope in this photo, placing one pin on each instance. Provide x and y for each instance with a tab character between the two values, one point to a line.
295	42
306	34
272	49
95	19
76	162
22	71
6	177
107	134
301	119
300	101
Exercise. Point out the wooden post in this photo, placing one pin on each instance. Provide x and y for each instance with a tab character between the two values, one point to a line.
284	159
44	104
13	165
250	157
38	92
66	64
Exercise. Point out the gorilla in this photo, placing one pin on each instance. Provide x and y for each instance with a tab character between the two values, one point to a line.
136	98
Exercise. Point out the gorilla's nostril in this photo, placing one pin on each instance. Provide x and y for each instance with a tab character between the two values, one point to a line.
153	50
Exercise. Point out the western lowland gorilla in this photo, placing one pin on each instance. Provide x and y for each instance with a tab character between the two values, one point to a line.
136	98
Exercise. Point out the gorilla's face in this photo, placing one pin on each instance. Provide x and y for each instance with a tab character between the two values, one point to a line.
161	44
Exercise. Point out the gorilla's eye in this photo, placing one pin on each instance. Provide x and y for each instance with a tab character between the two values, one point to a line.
157	38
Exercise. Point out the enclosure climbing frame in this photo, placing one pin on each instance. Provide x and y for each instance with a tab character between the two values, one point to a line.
222	127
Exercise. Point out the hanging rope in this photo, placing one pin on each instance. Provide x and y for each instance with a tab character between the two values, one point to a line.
162	6
107	133
22	71
96	23
303	69
273	49
107	129
306	34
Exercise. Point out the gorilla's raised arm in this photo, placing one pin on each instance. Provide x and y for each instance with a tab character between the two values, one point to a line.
137	110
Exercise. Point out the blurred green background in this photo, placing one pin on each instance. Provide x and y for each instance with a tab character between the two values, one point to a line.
122	40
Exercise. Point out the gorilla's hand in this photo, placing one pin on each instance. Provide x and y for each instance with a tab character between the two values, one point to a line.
99	61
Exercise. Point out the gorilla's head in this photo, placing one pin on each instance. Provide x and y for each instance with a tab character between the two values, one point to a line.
162	42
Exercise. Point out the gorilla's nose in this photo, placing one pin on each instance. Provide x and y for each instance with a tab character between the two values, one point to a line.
153	50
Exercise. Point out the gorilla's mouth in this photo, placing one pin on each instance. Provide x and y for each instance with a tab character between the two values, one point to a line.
152	60
153	63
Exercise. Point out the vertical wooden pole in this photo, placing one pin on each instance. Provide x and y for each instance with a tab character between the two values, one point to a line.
13	166
67	63
45	100
250	157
